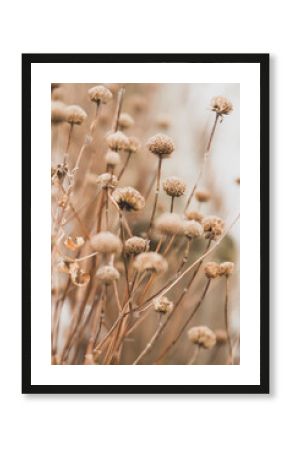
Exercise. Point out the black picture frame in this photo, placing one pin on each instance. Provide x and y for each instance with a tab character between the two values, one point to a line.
263	61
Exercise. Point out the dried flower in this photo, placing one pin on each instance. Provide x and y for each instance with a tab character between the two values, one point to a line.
150	261
117	141
107	180
161	145
75	115
213	227
221	336
221	105
202	196
106	242
212	269
58	173
174	186
136	245
107	274
125	121
226	268
100	94
169	223
192	229
58	112
162	305
202	336
74	243
129	198
194	215
163	121
63	265
112	158
78	276
133	145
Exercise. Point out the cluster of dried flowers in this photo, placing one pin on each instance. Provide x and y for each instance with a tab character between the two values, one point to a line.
115	257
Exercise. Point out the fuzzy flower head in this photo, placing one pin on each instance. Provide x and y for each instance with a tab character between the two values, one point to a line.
202	196
106	242
192	229
194	215
202	336
129	199
150	261
136	245
112	158
107	180
117	141
226	268
162	305
75	115
213	227
221	105
125	121
161	145
169	223
107	274
100	94
174	187
212	270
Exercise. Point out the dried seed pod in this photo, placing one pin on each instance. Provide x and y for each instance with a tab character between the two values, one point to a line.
107	274
194	215
78	276
136	245
212	269
125	121
169	223
161	145
202	196
226	268
75	115
58	173
151	261
192	229
202	336
107	180
117	141
129	199
74	243
221	105
112	158
213	227
174	187
162	305
106	242
100	94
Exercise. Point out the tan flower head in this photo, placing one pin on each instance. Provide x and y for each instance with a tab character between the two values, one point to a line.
212	269
58	112
133	145
107	274
100	94
106	242
161	145
136	245
194	215
152	261
125	121
129	199
74	243
117	141
221	105
202	196
106	180
174	186
162	305
78	276
226	268
169	223
213	227
75	115
192	229
221	336
112	158
202	336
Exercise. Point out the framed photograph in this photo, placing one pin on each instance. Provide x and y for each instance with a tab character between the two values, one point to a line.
140	247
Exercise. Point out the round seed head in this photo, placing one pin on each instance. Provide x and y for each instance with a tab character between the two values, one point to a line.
129	199
58	112
133	145
136	245
192	229
162	305
151	261
106	180
169	223
125	121
202	336
194	215
112	158
74	243
107	274
213	227
117	141
221	105
212	270
100	94
75	115
226	268
161	145
221	336
174	186
202	196
106	242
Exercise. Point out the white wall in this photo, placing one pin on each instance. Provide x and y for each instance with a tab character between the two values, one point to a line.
206	422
